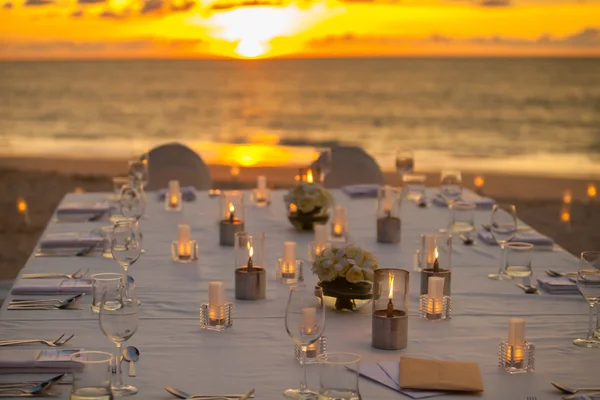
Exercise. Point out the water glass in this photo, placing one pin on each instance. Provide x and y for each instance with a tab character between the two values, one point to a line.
503	228
132	202
92	379
451	186
339	376
118	183
588	283
138	170
518	261
462	220
106	282
106	233
405	162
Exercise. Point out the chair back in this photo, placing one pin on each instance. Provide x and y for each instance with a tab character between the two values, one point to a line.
175	161
351	165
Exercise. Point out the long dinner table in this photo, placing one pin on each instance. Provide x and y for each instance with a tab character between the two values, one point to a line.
256	352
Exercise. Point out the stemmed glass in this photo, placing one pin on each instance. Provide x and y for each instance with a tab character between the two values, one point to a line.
125	245
450	186
305	323
119	320
588	283
503	228
405	162
138	171
132	202
323	162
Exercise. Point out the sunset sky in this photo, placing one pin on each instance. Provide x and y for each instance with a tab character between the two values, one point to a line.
38	29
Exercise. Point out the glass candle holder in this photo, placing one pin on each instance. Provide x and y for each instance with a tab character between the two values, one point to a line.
436	260
388	215
216	318
516	359
184	252
260	197
435	309
173	197
288	273
250	272
390	309
339	226
312	351
231	215
314	249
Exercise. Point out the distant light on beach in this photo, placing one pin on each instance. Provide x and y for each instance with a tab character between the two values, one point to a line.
235	171
21	205
79	189
567	196
565	215
592	192
478	182
309	176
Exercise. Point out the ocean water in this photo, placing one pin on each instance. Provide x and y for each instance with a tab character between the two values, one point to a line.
522	115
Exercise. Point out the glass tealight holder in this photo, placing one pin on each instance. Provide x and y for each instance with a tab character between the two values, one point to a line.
440	243
216	318
433	309
214	192
388	215
173	201
287	273
250	270
390	309
314	250
339	232
516	359
313	351
260	198
231	216
184	252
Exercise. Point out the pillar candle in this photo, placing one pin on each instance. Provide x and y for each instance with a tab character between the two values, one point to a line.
184	240
320	235
261	183
516	332
309	319
215	300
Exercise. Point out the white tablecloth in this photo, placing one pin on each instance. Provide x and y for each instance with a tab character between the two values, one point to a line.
257	352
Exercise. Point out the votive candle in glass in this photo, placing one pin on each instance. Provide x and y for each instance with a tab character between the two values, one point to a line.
436	260
250	272
390	309
339	225
388	215
173	196
232	217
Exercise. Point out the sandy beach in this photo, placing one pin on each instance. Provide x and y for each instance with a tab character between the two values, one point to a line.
42	182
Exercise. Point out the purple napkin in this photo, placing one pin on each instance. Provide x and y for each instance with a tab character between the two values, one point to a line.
481	203
83	208
361	191
558	285
52	286
535	238
188	193
70	240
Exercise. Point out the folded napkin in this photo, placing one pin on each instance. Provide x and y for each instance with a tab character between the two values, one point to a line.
51	360
52	286
417	373
83	208
71	240
481	203
535	238
361	191
559	285
188	193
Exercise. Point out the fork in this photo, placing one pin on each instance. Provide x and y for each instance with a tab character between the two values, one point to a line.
531	398
40	307
75	275
53	343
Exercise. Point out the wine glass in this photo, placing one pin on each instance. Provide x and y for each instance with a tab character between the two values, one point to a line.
305	323
588	283
503	228
138	170
450	186
119	320
125	245
405	162
462	221
132	202
323	162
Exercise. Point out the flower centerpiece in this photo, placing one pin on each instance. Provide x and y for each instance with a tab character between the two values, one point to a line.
308	203
346	276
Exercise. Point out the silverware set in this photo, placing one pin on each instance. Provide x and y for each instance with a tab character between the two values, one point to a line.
75	275
28	389
44	304
183	395
59	341
556	274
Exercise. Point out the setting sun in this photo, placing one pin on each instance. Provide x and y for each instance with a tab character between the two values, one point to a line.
251	49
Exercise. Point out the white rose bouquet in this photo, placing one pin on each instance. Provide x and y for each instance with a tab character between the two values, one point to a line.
309	197
346	274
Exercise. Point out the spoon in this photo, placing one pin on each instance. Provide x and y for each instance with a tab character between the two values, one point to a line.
32	390
131	354
568	390
183	395
528	289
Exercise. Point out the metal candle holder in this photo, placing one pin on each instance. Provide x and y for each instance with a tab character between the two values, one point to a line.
231	217
388	216
250	273
390	309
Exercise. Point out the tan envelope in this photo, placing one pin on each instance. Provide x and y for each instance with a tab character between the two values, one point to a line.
417	373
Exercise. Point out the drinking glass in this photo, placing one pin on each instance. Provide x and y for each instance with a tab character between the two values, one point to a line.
305	323
450	186
405	162
119	320
339	376
462	220
105	282
133	203
125	244
503	228
106	232
118	183
588	283
323	162
138	170
92	379
518	261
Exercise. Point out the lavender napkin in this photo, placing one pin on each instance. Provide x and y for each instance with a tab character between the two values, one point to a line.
71	240
83	208
361	191
50	360
535	238
188	193
560	285
481	203
52	286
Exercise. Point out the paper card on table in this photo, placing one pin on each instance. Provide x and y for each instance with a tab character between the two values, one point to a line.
376	373
417	373
392	370
52	286
52	360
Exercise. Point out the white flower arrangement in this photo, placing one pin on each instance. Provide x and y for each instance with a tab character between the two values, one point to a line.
351	263
308	197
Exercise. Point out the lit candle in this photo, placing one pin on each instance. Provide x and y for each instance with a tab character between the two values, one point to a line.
293	208
436	263
216	301
23	210
567	196
309	176
479	182
516	339
320	236
339	220
435	295
390	305
184	241
387	201
592	192
565	214
231	212
289	259
173	193
309	320
235	172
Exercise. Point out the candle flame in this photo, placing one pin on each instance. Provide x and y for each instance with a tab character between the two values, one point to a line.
565	216
235	171
293	208
250	250
592	192
478	182
231	208
309	176
435	254
391	282
21	205
434	306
